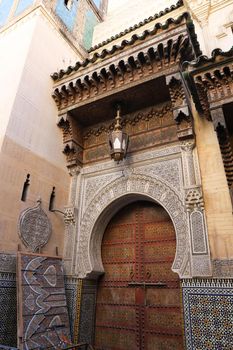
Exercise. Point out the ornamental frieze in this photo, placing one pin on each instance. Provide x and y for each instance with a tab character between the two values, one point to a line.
131	119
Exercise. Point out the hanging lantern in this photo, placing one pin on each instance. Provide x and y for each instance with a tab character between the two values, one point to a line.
118	140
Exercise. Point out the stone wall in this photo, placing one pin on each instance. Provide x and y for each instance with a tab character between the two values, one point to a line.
212	19
215	190
30	140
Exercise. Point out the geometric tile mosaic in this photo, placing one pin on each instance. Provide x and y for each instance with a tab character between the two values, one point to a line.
208	314
71	287
87	316
43	319
8	307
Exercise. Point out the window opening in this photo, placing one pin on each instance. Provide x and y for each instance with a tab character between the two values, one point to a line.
25	188
52	199
68	4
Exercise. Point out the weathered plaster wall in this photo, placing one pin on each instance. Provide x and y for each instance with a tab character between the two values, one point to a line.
32	122
32	142
14	47
16	163
127	14
212	18
213	21
215	189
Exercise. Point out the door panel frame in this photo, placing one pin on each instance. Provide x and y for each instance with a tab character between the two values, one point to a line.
140	287
127	189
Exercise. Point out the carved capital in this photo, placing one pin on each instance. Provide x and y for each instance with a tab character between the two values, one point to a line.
188	145
70	216
194	199
74	170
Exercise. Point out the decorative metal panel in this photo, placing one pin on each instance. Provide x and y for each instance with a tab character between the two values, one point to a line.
138	300
43	315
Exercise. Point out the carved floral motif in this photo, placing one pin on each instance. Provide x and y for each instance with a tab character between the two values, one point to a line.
194	199
69	217
133	119
34	227
89	260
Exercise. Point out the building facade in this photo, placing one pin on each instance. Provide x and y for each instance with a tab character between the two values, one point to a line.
146	241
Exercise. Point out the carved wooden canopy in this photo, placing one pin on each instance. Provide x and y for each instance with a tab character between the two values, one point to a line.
211	80
154	53
141	72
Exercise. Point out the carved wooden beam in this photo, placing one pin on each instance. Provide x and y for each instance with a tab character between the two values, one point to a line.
210	80
148	59
72	140
218	84
181	111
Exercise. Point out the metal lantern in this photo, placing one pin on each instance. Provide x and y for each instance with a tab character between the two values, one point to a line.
118	140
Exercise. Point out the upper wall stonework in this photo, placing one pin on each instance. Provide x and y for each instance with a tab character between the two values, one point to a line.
212	19
128	13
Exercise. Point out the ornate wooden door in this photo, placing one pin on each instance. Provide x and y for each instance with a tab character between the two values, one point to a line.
138	300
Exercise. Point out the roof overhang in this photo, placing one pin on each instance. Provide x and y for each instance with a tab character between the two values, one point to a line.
146	94
138	65
210	80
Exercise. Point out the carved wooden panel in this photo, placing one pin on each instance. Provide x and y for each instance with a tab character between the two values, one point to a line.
146	129
42	309
138	301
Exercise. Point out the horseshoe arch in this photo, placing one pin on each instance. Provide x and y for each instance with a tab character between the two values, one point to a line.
113	197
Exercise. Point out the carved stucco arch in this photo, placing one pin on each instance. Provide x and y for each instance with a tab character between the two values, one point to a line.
113	197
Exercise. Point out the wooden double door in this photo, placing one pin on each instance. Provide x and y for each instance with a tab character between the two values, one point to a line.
138	299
